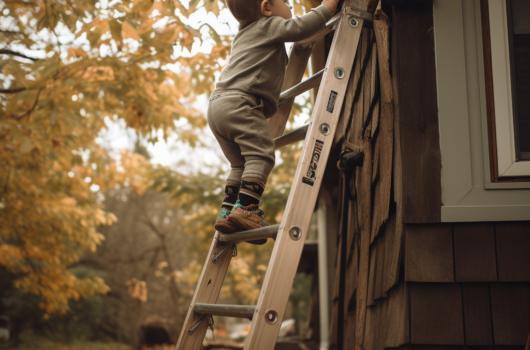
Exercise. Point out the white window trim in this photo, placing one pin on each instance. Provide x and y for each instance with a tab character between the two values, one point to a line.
502	92
467	191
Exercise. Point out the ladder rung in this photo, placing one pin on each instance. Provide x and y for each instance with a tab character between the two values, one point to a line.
301	87
250	235
291	137
243	311
304	44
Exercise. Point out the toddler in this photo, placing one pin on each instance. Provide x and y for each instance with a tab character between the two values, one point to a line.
247	94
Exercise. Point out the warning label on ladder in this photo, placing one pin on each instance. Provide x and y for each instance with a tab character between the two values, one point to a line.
331	101
311	173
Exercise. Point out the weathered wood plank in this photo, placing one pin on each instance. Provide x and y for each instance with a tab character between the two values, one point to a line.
429	253
397	250
351	278
397	332
477	314
350	319
334	321
380	267
474	252
385	138
510	309
416	96
364	205
383	324
367	115
378	324
369	330
336	337
392	253
371	5
436	314
374	92
513	251
371	276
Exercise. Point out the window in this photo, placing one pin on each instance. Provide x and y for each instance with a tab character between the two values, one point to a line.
469	192
507	56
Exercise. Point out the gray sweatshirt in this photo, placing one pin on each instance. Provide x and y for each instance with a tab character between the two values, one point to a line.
258	58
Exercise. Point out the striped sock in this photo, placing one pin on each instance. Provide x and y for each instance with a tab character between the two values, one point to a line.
231	192
251	191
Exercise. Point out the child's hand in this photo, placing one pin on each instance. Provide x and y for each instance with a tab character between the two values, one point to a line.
331	5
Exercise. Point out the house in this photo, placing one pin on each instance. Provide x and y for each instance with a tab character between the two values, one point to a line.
432	233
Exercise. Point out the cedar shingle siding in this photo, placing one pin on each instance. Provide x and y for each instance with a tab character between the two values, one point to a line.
406	279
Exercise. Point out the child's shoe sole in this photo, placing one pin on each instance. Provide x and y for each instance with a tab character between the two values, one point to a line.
225	226
245	224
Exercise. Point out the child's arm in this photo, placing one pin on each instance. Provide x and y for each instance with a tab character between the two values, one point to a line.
299	28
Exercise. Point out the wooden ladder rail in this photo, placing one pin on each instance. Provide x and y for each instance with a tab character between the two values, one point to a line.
290	239
291	232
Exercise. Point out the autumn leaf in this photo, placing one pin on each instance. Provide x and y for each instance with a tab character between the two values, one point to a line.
115	30
212	6
170	33
128	32
76	52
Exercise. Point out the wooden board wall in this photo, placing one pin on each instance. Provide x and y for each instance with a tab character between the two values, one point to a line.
405	280
414	72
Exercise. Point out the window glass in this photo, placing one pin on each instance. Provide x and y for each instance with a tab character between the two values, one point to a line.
519	19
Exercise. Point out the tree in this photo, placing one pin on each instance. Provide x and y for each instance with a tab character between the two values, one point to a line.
69	69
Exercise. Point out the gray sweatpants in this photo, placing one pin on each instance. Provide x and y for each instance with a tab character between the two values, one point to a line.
237	121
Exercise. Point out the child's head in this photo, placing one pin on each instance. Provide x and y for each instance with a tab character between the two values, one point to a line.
248	11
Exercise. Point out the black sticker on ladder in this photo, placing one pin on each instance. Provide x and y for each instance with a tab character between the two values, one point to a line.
331	101
311	173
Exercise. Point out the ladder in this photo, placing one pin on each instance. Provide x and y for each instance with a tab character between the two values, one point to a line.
290	234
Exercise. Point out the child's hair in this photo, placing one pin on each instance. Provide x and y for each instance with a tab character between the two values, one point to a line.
245	11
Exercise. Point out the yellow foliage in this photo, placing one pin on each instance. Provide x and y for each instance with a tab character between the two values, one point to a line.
52	170
128	32
137	289
76	52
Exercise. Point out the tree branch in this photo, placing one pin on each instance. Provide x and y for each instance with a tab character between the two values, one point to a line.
10	32
12	91
32	108
21	2
14	53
